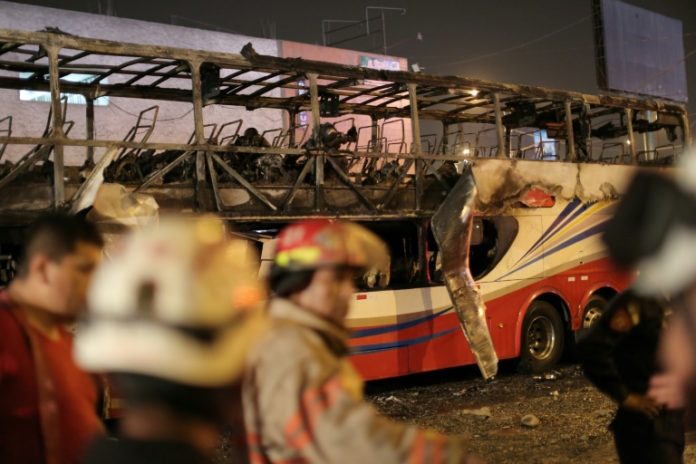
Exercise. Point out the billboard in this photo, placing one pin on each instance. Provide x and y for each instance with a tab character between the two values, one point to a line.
639	51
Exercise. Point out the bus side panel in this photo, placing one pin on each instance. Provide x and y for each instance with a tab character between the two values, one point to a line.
381	365
446	346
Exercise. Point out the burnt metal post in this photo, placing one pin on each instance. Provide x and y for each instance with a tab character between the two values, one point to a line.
570	137
90	129
319	159
588	141
445	137
416	133
292	127
422	231
57	129
374	134
197	95
499	129
631	135
686	130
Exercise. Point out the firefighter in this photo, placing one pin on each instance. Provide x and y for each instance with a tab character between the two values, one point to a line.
302	398
619	355
171	317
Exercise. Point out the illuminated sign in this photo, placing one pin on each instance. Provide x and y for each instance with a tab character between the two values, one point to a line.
387	64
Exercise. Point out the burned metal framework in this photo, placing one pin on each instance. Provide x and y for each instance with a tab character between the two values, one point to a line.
320	171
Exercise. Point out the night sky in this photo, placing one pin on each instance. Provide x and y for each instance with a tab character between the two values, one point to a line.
537	42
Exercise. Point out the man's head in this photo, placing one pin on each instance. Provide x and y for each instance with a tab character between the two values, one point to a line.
59	255
316	262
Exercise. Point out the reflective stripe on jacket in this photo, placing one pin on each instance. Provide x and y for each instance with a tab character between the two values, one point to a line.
303	402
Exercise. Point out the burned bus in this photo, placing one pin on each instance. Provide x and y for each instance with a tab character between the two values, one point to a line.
519	179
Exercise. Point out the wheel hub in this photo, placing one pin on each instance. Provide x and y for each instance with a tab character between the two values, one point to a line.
591	317
541	337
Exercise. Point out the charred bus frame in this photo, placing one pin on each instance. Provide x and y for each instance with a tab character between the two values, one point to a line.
255	81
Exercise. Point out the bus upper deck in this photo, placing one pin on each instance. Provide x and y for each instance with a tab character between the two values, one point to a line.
342	140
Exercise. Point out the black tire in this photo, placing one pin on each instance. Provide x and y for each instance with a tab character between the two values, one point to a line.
543	337
591	313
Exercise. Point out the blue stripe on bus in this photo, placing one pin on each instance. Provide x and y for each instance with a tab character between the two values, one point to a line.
400	326
366	349
574	239
556	224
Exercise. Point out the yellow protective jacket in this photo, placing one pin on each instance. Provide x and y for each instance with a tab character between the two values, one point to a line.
303	402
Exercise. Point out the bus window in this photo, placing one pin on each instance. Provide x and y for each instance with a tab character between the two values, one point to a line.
658	136
401	238
491	237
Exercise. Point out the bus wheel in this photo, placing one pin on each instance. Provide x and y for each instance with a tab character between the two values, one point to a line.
542	338
591	313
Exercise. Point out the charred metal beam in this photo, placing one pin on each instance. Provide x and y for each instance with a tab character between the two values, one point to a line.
293	191
631	136
394	188
416	144
346	180
275	85
499	128
81	199
368	91
56	129
24	166
202	199
318	160
247	84
118	68
89	114
213	181
238	177
164	170
570	137
152	72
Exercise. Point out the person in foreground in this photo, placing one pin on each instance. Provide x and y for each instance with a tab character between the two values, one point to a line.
302	398
619	355
171	317
658	214
48	406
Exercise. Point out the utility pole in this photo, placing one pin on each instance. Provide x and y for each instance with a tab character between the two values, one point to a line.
381	9
360	27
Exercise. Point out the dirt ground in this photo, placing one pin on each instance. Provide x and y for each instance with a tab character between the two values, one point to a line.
572	416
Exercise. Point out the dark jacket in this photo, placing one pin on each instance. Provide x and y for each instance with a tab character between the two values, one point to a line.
618	354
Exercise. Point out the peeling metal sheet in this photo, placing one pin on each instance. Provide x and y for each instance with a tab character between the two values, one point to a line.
452	225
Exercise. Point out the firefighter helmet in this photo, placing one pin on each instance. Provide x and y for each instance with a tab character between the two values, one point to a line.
314	243
178	301
659	214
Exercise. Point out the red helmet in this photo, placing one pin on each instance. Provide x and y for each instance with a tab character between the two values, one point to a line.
313	243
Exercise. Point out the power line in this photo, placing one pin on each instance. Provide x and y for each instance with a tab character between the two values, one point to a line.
524	44
175	118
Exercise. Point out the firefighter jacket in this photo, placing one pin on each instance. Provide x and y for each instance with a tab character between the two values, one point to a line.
303	402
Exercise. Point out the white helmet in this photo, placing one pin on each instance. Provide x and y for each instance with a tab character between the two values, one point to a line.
673	267
654	229
178	301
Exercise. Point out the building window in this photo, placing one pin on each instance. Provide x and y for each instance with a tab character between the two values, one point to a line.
73	98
